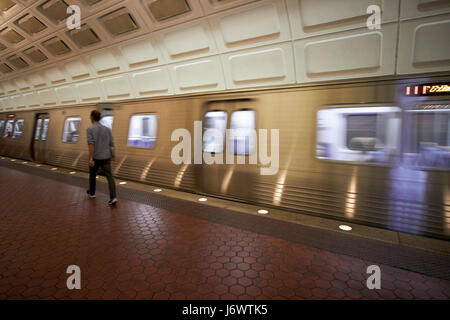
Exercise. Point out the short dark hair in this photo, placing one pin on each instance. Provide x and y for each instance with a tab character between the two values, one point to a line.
95	115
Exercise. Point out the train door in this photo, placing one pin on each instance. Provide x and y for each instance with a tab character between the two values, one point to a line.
427	135
228	134
39	149
107	119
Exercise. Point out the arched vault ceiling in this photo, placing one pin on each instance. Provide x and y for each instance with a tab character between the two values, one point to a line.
131	49
34	33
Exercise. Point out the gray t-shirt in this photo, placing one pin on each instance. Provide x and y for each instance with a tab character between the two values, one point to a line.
101	137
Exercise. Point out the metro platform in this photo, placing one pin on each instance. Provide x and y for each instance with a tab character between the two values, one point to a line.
168	245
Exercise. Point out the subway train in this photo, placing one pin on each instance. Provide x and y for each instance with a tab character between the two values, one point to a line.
374	152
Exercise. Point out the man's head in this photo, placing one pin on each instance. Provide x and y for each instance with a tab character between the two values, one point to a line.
95	116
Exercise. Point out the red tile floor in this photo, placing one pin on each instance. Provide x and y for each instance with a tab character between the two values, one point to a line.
135	251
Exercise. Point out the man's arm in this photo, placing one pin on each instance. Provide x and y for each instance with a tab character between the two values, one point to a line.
90	141
91	153
111	140
111	145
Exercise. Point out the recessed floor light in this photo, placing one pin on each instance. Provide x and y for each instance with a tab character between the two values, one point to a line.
262	211
72	172
157	190
38	165
122	182
24	162
54	169
12	160
202	199
345	227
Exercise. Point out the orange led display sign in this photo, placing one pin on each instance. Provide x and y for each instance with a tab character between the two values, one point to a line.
428	90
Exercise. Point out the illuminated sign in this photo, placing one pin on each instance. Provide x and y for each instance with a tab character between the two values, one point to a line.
428	90
434	106
11	115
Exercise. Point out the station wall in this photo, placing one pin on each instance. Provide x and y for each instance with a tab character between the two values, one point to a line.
216	45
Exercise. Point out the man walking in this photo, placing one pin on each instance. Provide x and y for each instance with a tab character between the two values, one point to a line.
100	143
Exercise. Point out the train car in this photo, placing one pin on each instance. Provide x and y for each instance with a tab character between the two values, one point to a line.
364	152
332	108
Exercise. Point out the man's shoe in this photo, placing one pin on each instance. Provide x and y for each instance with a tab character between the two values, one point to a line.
92	196
112	201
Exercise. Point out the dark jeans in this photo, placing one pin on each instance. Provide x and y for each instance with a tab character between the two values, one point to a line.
105	165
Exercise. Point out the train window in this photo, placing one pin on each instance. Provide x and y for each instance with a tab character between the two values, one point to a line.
360	127
242	129
214	131
362	134
18	129
107	121
37	133
428	138
71	127
45	129
2	124
142	132
9	128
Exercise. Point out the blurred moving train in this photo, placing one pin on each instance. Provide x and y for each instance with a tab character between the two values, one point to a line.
364	152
